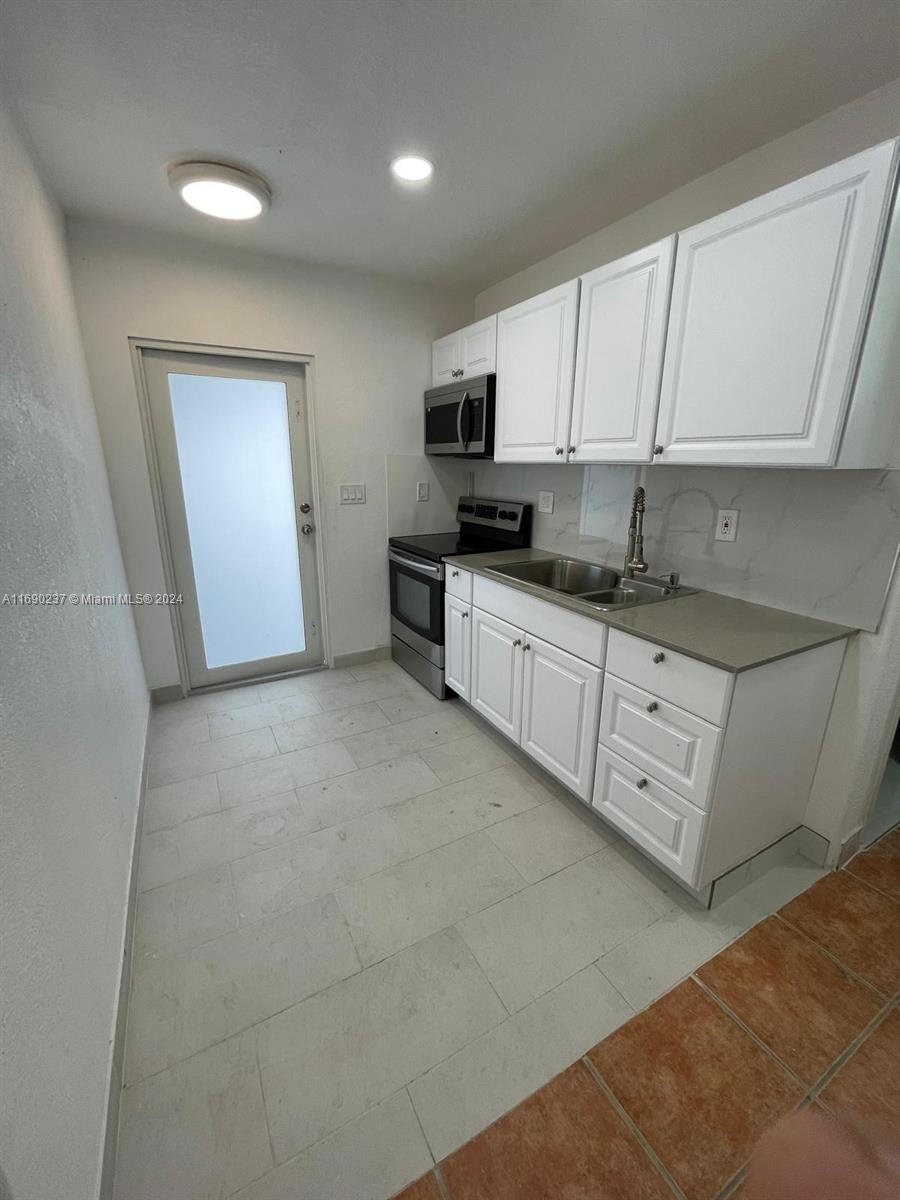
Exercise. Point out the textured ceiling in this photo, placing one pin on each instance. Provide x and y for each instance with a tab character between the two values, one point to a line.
546	118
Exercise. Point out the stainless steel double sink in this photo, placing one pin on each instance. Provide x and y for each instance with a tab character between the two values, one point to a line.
598	586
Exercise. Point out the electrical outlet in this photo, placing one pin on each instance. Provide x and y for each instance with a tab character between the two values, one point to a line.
423	491
726	524
545	501
353	493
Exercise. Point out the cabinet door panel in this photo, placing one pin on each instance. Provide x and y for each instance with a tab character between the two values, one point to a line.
668	828
479	347
535	376
496	688
560	714
622	319
457	645
445	355
678	748
769	304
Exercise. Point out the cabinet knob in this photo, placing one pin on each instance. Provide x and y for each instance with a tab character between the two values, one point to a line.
652	706
659	657
517	642
559	450
454	574
658	448
465	616
641	784
571	449
527	646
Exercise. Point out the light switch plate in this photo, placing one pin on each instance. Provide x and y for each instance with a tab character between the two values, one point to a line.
353	493
545	501
726	524
423	491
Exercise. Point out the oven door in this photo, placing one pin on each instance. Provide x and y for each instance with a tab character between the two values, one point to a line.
417	604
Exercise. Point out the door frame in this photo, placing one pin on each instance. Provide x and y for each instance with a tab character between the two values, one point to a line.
136	347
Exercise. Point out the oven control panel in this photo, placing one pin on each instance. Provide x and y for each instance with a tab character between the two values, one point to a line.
496	514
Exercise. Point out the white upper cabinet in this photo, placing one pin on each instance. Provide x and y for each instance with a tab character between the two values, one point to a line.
465	353
769	305
535	376
445	357
618	364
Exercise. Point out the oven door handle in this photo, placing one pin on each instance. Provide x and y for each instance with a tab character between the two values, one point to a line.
436	571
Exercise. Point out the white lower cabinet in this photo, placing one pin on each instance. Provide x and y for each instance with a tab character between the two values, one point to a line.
545	700
698	766
497	671
560	707
681	750
457	645
667	827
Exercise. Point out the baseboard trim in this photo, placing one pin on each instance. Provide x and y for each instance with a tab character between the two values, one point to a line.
111	1139
356	658
851	845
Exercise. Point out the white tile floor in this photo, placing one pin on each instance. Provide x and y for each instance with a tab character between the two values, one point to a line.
367	927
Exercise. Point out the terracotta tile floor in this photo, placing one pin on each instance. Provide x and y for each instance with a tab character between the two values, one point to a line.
801	1009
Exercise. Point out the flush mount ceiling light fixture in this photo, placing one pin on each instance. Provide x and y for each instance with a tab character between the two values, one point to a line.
219	190
412	168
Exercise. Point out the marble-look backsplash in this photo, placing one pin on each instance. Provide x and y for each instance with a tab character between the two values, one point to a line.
820	543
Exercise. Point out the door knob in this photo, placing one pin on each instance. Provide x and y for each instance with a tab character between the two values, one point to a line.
304	508
307	529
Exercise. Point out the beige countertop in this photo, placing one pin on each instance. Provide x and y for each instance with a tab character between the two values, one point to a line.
732	634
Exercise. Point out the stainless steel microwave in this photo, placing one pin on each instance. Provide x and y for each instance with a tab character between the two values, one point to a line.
459	418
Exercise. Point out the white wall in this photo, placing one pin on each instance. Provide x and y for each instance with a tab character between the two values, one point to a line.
73	714
836	135
371	339
843	526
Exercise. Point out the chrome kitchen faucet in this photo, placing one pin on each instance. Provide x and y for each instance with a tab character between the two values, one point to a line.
634	553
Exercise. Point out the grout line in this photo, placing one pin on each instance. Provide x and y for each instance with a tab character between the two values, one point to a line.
844	1057
871	886
733	1184
265	1107
657	1162
441	1182
419	1122
729	1012
834	958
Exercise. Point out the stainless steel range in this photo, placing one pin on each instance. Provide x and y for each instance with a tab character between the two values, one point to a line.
416	566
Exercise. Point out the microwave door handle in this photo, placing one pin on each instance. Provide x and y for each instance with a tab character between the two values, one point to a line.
459	417
466	426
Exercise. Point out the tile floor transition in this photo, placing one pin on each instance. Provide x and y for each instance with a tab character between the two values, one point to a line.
368	928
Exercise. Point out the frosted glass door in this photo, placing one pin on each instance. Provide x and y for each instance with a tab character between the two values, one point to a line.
229	459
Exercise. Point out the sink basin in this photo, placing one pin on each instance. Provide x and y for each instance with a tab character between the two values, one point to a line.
562	575
592	584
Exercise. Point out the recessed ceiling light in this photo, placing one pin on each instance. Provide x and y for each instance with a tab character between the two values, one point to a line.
412	169
219	190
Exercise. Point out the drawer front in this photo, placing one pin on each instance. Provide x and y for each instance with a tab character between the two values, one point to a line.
579	635
674	746
666	827
458	583
692	685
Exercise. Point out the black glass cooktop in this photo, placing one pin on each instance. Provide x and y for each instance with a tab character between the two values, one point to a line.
436	546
